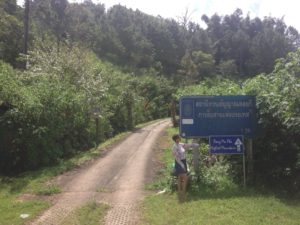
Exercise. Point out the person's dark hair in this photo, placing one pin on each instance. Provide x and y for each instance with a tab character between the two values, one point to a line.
175	137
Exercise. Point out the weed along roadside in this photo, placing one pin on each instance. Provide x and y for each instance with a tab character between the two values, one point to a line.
218	197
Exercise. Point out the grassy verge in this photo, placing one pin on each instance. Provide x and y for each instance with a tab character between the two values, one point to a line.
90	214
216	199
11	209
36	183
201	209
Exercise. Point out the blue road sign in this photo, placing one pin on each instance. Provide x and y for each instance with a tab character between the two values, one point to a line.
203	116
226	144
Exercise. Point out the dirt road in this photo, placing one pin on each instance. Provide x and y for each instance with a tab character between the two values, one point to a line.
117	179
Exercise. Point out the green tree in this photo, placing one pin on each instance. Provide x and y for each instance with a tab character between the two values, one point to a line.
253	44
11	30
84	23
196	66
228	68
49	18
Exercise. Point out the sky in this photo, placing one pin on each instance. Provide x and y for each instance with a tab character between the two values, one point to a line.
288	9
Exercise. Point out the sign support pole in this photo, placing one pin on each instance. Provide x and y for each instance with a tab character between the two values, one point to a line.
196	159
250	159
244	169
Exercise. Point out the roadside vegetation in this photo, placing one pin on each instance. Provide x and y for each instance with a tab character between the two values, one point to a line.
65	105
215	199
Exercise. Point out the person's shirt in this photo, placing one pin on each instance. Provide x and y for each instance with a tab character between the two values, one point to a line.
179	151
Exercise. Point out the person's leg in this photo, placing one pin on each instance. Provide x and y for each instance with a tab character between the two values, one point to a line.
179	183
184	178
184	182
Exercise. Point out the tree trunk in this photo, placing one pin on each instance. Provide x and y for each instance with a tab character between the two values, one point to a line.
26	30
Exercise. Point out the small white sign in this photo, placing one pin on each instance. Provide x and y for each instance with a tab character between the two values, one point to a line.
187	121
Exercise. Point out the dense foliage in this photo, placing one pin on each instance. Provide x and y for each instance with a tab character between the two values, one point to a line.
69	101
277	151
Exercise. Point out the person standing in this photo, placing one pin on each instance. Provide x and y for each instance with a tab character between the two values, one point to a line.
178	151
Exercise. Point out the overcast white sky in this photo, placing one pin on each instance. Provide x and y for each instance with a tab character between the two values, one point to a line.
289	9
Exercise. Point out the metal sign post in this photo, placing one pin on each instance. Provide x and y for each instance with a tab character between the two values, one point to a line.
250	160
196	159
244	169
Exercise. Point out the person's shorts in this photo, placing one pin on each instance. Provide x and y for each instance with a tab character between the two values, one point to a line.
179	169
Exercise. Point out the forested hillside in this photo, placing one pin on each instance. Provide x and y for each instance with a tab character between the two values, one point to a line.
92	72
230	45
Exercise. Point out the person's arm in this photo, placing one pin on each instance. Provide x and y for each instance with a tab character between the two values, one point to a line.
177	157
190	145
